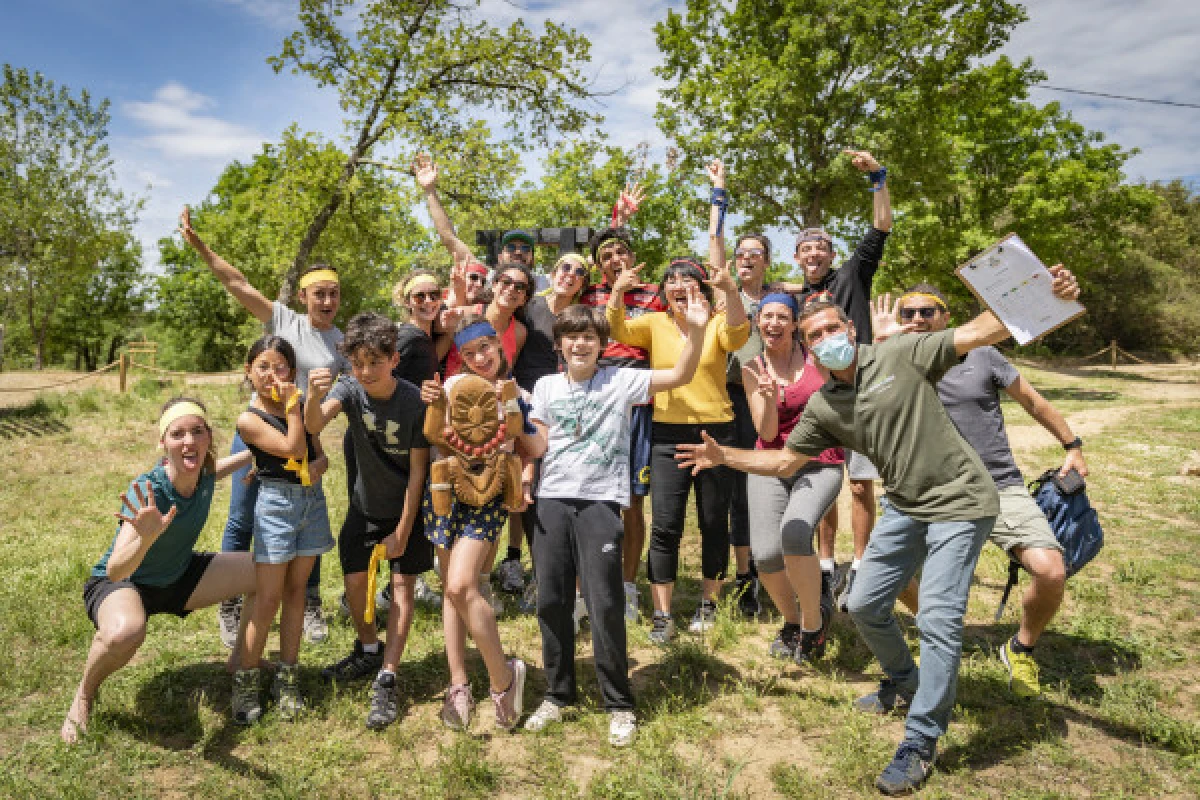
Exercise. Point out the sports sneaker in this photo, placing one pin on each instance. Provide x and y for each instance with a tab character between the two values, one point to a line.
425	594
812	643
580	613
786	641
511	576
1022	671
828	582
546	713
632	602
511	702
910	768
485	589
704	618
662	628
458	707
286	691
843	599
247	707
359	664
622	727
746	591
229	617
385	705
887	698
316	629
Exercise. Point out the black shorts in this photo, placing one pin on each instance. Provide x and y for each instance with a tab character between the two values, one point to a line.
155	599
361	533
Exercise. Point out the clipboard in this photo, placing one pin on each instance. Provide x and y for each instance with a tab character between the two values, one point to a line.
1010	280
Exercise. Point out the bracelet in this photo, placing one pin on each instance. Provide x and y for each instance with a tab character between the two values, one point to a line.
878	179
1074	444
719	197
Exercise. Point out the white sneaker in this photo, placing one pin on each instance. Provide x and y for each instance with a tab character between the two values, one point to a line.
705	618
632	602
622	727
546	713
580	613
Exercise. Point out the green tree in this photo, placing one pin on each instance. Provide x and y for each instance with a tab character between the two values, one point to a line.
94	321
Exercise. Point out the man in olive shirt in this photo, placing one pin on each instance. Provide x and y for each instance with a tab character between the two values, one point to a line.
941	504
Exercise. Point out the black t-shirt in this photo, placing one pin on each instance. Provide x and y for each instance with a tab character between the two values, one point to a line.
537	358
418	355
270	466
850	284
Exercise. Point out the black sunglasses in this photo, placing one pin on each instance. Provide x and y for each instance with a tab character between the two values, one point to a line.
425	296
506	282
927	312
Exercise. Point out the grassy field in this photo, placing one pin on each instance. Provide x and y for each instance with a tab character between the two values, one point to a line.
1120	716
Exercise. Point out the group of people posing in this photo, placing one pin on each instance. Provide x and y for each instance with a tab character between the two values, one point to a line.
713	382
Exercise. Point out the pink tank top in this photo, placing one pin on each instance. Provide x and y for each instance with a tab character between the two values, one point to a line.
790	405
508	343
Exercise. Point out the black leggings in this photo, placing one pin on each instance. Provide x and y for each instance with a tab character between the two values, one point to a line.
745	437
669	487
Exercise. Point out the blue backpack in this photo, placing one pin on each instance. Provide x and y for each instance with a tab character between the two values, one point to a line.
1065	503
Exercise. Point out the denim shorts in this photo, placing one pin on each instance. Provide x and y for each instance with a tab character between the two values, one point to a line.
290	521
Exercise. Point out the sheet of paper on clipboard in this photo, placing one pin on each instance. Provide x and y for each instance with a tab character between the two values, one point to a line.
1011	280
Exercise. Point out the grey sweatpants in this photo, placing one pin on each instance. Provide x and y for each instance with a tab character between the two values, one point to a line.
784	512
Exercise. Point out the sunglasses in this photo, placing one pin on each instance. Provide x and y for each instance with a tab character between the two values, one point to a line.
512	247
927	312
509	283
425	296
749	252
575	270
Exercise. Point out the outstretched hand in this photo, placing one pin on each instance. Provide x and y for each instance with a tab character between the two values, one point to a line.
885	318
425	171
698	457
145	518
698	311
1065	287
862	160
628	202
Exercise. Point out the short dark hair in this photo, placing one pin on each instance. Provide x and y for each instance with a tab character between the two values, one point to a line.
372	331
579	319
689	268
608	235
813	309
530	289
316	267
758	237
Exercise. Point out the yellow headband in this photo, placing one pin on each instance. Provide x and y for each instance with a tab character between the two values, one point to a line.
185	409
318	275
932	297
411	283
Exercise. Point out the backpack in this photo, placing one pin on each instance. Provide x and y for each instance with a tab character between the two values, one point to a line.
1065	503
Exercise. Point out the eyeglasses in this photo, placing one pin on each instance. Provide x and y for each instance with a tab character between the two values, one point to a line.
425	296
749	252
926	312
575	270
514	247
505	282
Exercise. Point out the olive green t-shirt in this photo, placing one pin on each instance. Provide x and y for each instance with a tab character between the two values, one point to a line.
893	416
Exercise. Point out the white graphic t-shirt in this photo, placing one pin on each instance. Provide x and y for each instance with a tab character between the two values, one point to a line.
588	425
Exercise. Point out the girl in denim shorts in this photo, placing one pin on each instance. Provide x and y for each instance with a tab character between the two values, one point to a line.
291	524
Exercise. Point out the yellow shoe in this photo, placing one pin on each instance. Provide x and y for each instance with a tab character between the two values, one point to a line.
1022	671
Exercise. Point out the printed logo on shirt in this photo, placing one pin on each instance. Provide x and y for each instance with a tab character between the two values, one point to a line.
879	386
608	548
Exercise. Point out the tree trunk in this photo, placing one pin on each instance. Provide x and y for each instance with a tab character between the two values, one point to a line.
114	345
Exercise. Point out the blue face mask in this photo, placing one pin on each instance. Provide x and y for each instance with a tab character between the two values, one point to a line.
836	351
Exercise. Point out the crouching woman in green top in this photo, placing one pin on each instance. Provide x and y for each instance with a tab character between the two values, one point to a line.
150	567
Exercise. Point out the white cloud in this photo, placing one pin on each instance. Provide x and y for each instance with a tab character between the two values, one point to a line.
177	129
275	13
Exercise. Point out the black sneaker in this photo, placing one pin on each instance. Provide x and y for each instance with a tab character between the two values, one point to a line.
746	591
828	583
843	600
910	768
786	642
887	698
385	706
359	664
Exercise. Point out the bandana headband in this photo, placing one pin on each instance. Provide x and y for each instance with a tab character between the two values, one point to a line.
472	332
318	275
927	296
477	268
783	299
184	409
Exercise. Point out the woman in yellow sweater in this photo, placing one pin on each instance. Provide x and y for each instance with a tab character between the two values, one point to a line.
681	414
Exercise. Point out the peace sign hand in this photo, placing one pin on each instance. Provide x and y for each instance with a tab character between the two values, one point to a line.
765	384
145	518
722	278
862	160
628	279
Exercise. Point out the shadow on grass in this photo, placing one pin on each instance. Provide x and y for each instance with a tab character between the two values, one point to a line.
1086	395
687	675
35	418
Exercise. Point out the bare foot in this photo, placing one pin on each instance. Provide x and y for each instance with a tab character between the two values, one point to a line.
75	724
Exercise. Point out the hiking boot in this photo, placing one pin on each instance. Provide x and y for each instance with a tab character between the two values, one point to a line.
247	706
458	707
704	618
843	599
662	628
746	591
545	714
910	768
1022	671
786	642
425	594
580	613
632	603
385	705
511	702
359	664
286	691
316	629
812	643
622	727
511	576
887	698
229	617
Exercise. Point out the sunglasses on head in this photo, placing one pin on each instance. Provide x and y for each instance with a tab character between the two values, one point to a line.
573	269
425	296
926	312
517	247
749	252
505	282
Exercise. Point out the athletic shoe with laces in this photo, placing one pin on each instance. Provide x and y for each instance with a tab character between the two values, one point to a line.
662	628
229	617
359	664
458	707
316	629
385	702
511	702
1022	671
632	602
511	576
786	641
247	706
812	643
286	691
704	618
843	599
425	594
622	727
887	698
545	714
910	768
746	591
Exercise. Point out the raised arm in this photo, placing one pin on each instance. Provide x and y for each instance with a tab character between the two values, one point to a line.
881	218
697	316
983	330
230	276
426	174
716	214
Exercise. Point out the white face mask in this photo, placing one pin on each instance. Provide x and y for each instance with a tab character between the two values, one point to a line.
836	351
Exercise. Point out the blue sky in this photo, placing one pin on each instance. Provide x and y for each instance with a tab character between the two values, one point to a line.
191	89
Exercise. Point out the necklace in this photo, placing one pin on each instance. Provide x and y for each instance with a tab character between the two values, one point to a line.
576	407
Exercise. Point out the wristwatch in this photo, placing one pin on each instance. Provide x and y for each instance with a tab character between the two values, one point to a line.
1074	444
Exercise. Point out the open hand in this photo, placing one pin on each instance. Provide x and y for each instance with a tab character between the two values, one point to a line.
698	457
425	171
697	311
628	202
885	318
145	517
185	229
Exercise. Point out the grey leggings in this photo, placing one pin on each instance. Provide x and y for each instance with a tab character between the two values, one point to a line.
785	512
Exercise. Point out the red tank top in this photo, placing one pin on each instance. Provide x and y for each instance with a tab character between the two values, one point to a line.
790	405
508	343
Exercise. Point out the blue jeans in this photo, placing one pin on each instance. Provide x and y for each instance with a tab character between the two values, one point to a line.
946	554
239	528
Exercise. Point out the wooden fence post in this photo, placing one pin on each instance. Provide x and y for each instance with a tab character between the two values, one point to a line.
1114	354
123	369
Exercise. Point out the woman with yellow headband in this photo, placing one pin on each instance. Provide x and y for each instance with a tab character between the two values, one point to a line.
151	567
315	339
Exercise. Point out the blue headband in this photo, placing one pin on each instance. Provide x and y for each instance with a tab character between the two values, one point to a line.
784	299
473	332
